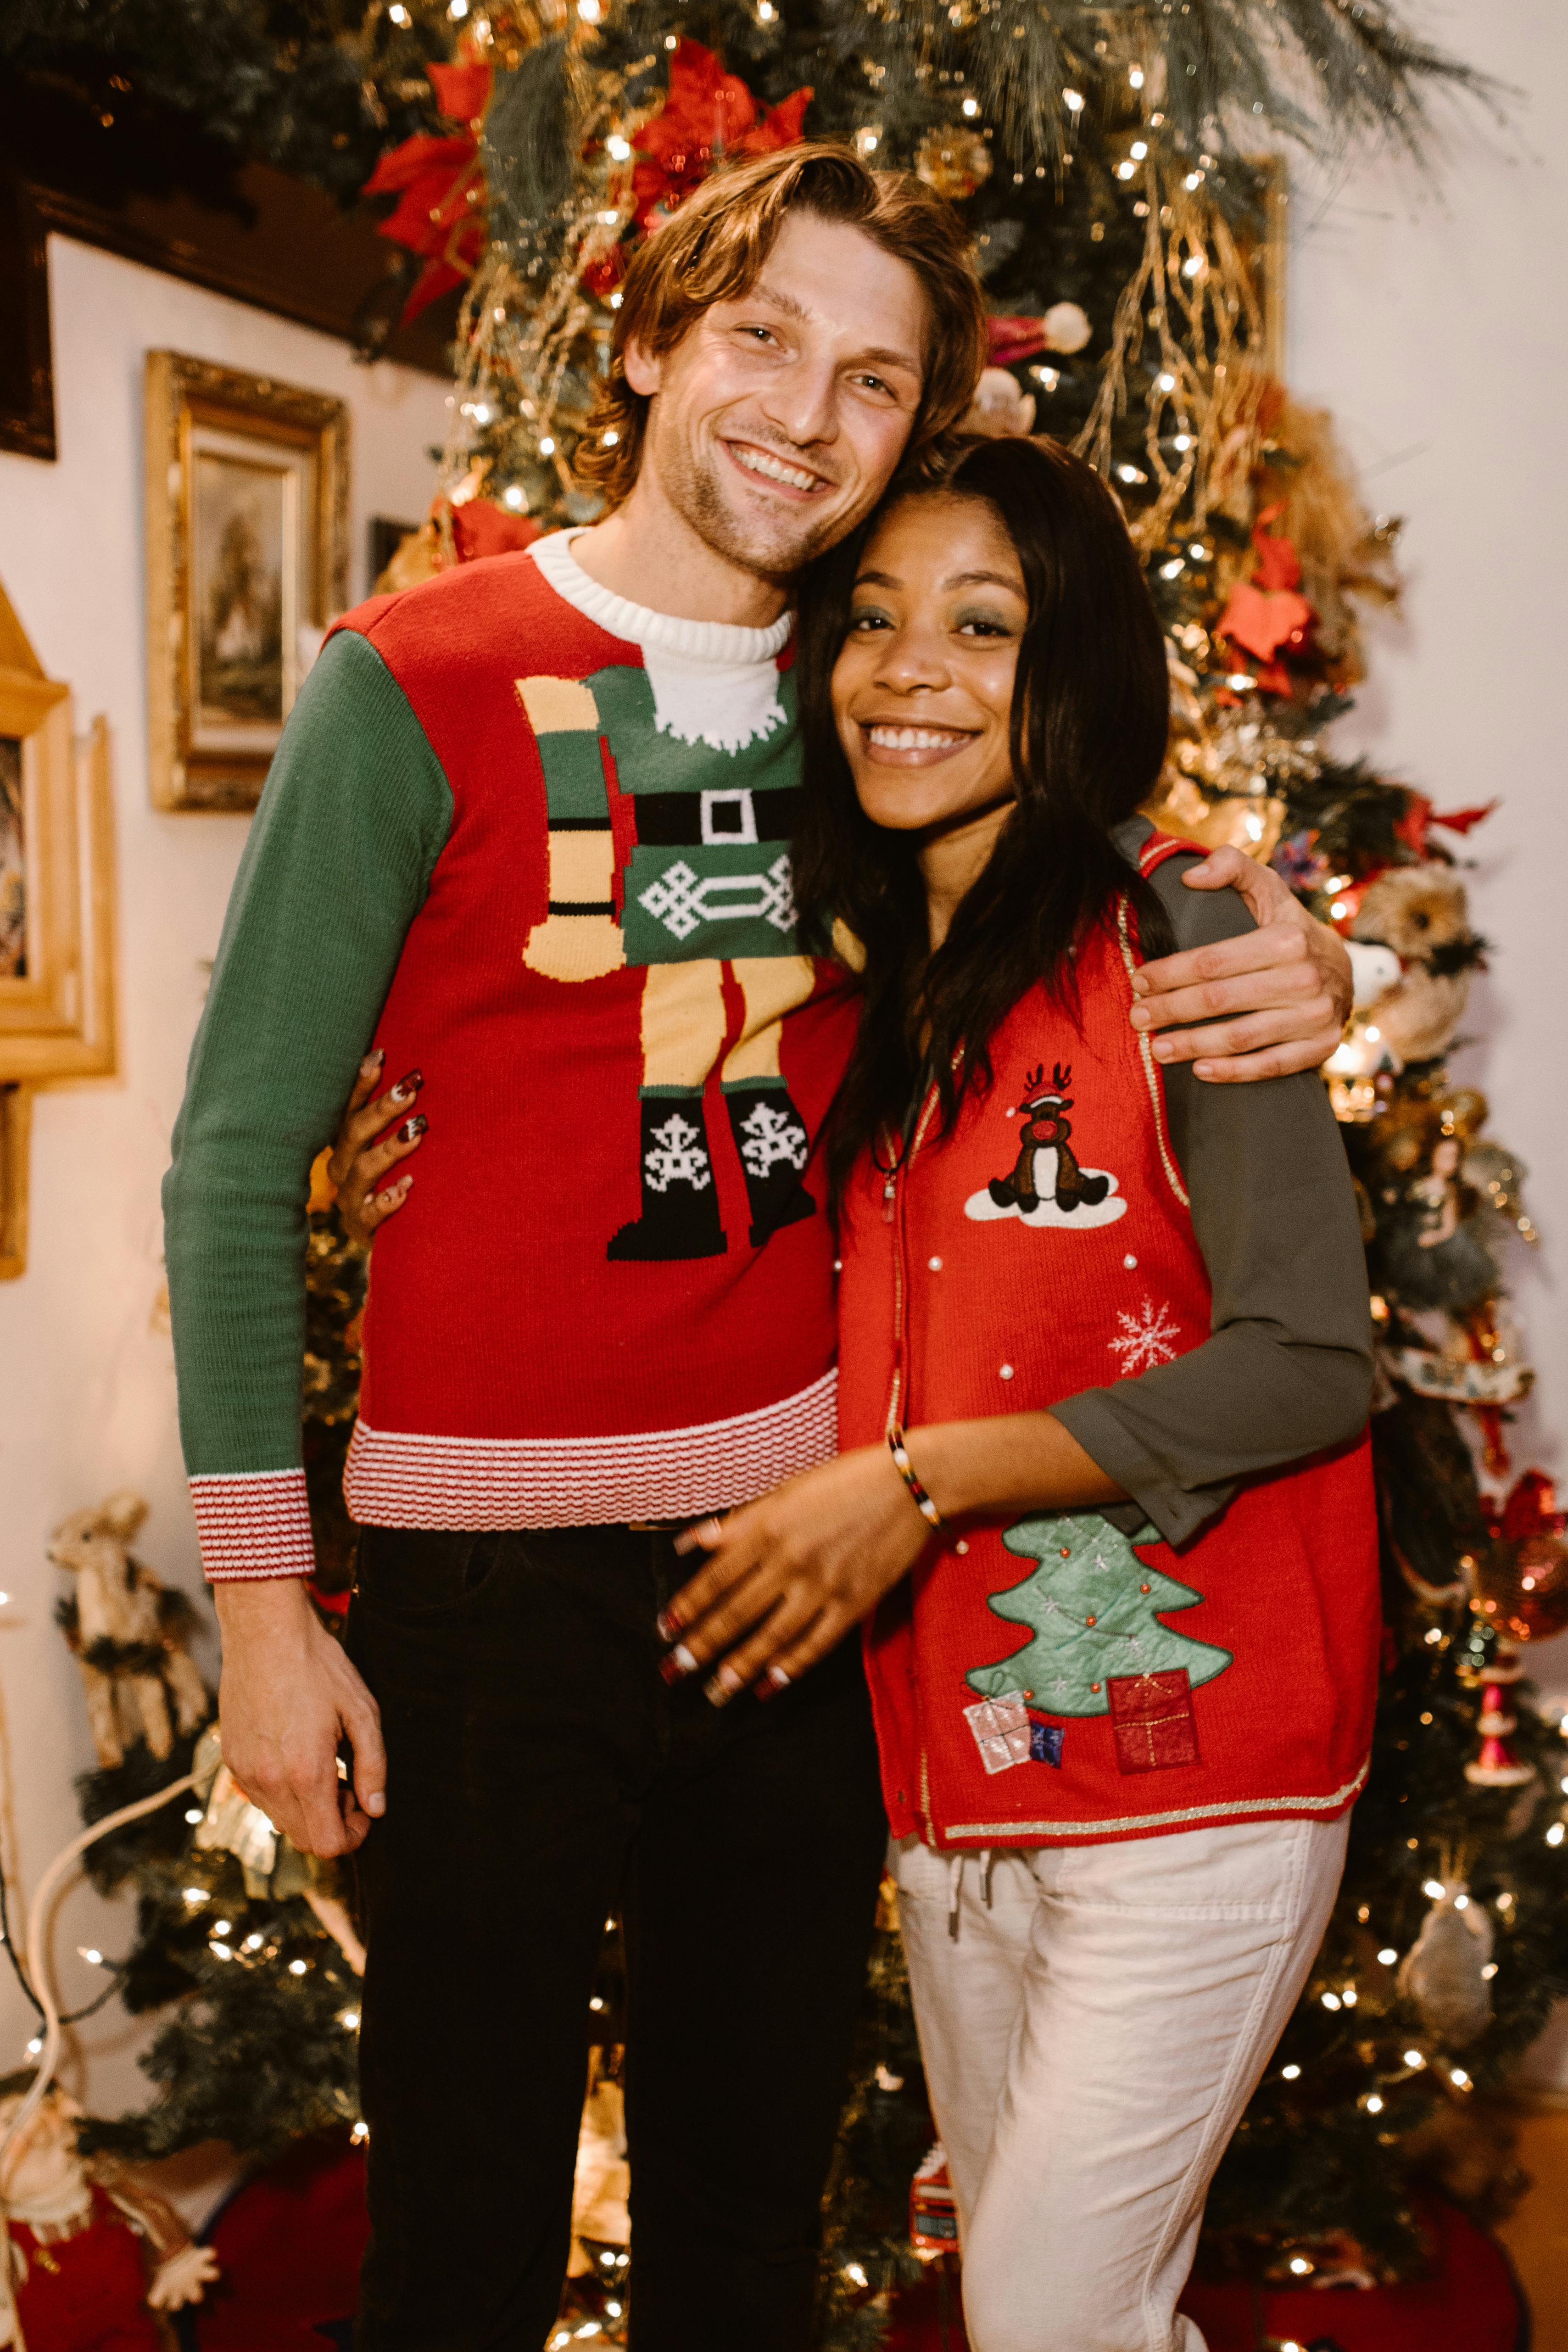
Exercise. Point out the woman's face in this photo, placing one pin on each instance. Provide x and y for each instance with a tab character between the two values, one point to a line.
923	688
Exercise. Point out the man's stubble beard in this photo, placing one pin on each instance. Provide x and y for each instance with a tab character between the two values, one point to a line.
694	490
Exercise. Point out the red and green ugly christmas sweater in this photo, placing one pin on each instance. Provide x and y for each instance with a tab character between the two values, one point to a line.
543	1347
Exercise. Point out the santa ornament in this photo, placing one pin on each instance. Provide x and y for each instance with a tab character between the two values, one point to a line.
92	2253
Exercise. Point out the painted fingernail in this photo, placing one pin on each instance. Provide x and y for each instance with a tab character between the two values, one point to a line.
413	1129
666	1625
773	1681
721	1689
408	1086
679	1662
372	1063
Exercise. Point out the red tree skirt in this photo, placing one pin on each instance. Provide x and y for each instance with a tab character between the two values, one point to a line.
1470	2302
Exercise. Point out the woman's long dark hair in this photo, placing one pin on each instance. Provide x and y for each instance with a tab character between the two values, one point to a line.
1090	717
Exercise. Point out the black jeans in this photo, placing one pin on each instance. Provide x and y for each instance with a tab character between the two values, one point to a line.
541	1774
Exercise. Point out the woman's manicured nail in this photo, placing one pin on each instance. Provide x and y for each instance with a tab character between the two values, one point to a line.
413	1129
722	1686
408	1086
372	1063
679	1662
666	1625
773	1681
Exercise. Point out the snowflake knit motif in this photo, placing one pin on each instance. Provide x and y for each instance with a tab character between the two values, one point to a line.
772	1136
681	1157
1145	1339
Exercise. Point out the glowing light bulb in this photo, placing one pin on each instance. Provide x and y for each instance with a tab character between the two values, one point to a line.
590	11
971	105
1435	1888
1458	2075
1165	382
91	1955
1414	2058
1374	2106
1554	1834
512	497
1290	2074
194	1896
297	1968
1301	2267
1072	100
1124	171
1135	76
622	148
1138	149
1388	1956
610	437
194	1815
1330	2001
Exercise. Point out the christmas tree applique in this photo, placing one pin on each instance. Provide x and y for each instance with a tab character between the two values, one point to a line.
1093	1609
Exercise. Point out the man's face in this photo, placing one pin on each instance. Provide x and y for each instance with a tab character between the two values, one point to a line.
776	423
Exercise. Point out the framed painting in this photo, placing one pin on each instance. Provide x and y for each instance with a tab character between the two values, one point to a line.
248	497
57	977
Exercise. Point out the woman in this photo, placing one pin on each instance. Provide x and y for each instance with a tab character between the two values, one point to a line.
1075	1296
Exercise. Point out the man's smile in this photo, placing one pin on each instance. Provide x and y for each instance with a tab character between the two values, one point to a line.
799	480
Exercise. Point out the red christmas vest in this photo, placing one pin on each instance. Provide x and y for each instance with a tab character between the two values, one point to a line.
606	1299
1050	1680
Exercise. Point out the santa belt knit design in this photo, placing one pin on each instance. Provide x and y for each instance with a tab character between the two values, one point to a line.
395	1479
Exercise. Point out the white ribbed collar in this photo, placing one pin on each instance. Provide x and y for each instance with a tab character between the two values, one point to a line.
719	642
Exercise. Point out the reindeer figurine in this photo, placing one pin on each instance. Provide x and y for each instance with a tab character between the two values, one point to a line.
1045	1169
125	1630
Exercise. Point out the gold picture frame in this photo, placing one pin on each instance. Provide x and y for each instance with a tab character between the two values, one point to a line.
247	561
56	880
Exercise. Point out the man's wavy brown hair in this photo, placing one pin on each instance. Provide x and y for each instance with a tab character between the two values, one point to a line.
715	248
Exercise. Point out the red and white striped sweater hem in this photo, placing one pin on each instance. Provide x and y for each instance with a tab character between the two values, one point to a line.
258	1523
253	1523
397	1479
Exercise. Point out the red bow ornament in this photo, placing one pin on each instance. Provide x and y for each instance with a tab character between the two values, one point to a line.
708	114
1267	612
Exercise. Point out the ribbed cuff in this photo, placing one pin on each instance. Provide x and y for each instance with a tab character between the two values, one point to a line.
1178	1512
253	1523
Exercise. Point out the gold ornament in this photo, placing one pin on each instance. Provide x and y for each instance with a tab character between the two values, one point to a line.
953	159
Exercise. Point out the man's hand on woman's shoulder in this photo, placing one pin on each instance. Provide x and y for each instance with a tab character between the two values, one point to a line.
1268	1002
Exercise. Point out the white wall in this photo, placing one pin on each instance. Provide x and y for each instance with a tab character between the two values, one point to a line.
1436	329
87	1388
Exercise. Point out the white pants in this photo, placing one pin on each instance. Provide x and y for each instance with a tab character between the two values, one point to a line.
1091	2037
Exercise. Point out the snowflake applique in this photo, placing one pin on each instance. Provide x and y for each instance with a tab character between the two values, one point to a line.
772	1136
1145	1339
679	1156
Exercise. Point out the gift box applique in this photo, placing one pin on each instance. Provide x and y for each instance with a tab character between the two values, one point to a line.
1045	1742
1002	1730
1153	1721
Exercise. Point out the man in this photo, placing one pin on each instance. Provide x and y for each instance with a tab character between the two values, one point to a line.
520	833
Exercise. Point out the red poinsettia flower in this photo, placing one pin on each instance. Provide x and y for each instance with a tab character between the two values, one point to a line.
1267	612
442	186
708	113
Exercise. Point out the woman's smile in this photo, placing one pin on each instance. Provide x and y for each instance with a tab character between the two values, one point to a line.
894	743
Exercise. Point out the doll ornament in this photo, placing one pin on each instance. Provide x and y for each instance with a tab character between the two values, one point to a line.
92	2253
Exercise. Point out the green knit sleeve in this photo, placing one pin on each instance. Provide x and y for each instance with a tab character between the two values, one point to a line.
355	813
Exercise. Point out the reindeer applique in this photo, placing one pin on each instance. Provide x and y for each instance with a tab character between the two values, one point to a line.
1045	1169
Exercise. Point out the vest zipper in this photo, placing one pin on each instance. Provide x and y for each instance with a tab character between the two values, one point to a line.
893	1196
892	1193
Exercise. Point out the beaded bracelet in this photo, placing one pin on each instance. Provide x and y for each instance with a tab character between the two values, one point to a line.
906	1471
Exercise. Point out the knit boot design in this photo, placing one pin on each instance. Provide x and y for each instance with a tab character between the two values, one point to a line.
771	1137
680	1202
